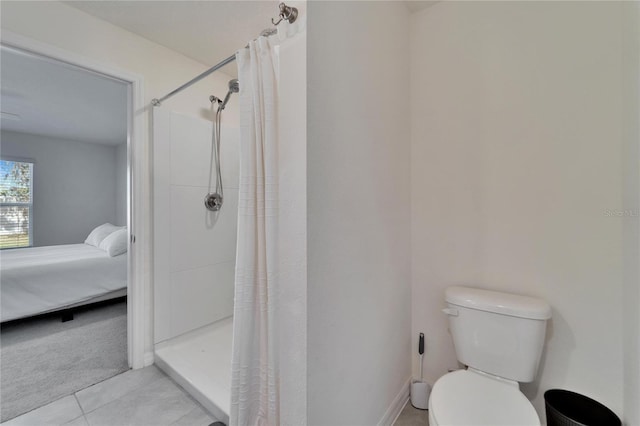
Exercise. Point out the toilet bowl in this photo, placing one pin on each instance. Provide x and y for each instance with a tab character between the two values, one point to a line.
467	397
499	337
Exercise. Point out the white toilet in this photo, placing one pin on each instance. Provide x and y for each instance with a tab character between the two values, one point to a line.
499	336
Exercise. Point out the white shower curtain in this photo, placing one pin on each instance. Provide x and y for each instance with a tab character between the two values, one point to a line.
255	389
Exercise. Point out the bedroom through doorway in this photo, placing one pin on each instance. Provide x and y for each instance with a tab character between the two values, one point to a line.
65	219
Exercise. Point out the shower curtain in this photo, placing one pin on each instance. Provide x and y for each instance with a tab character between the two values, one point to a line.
255	389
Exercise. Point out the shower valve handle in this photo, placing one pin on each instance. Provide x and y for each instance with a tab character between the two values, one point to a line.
213	202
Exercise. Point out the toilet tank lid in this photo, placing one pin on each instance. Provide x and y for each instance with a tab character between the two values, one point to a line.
498	302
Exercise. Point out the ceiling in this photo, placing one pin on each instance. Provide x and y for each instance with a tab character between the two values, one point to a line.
416	5
207	31
46	97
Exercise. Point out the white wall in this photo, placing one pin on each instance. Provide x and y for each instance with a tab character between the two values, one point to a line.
517	154
292	231
74	185
163	70
194	248
631	202
358	210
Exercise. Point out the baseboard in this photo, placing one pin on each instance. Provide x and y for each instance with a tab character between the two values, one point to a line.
394	410
148	359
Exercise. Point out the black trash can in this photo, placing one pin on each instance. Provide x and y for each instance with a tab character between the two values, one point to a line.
566	408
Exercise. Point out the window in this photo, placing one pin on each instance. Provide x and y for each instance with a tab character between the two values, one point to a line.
16	204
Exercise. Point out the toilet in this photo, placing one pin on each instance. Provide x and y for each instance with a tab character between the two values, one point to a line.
499	337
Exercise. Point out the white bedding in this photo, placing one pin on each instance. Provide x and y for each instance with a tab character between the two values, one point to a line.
43	279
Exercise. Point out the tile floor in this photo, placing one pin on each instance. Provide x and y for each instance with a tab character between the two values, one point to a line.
411	416
145	397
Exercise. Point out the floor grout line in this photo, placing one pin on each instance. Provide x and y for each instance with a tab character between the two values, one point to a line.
78	402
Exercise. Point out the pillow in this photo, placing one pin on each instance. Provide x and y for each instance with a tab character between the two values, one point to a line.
116	243
100	233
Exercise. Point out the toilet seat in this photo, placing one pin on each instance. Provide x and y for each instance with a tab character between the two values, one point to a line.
465	397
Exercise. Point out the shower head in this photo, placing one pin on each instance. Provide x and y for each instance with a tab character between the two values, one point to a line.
234	87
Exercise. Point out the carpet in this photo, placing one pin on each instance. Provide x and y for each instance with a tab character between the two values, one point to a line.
43	359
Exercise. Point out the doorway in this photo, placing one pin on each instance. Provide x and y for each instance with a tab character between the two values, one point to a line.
69	216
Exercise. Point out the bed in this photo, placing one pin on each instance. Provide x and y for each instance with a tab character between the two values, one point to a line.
41	280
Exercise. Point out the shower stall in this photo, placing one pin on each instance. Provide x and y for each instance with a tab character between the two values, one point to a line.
194	256
196	163
195	247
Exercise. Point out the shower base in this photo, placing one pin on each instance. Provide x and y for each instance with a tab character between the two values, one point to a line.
200	362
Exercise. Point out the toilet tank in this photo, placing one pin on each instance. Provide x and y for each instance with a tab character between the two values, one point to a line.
497	333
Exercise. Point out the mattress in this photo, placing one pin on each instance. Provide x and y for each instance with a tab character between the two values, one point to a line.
43	279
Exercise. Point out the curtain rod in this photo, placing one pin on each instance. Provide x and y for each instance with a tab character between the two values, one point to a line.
289	14
158	102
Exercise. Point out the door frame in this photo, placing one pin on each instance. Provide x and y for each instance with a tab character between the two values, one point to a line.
138	206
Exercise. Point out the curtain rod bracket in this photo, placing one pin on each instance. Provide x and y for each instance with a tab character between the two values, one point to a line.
287	13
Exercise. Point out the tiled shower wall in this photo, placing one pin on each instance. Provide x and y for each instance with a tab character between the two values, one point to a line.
194	249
